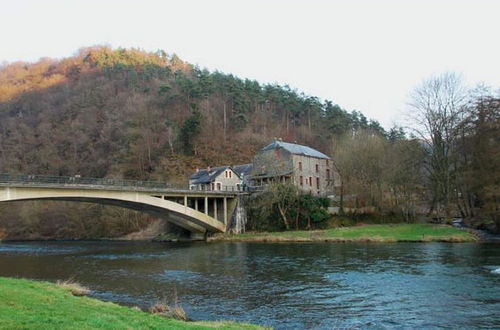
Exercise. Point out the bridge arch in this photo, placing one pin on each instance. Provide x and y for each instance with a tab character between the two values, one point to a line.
154	203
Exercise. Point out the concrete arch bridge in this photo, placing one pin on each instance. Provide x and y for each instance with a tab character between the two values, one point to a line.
196	211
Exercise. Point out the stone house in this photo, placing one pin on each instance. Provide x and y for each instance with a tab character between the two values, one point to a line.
307	168
222	178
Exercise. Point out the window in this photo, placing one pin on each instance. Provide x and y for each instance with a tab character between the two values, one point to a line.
327	162
300	166
317	183
317	168
311	181
230	174
219	186
328	173
301	180
212	186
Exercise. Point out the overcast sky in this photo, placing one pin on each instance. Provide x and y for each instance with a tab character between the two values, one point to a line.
363	55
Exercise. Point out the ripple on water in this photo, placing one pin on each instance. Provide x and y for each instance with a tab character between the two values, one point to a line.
36	249
125	256
177	275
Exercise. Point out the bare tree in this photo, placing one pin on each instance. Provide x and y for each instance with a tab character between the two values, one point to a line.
438	107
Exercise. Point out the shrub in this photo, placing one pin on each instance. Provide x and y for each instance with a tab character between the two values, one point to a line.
283	206
75	288
162	308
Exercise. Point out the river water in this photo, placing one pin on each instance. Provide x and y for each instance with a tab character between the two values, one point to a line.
286	286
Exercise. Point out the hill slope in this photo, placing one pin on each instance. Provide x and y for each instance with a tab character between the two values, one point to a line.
138	115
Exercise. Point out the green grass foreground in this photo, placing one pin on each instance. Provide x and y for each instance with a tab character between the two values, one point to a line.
28	304
366	233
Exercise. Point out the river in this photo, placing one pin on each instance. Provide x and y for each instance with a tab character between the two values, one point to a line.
286	286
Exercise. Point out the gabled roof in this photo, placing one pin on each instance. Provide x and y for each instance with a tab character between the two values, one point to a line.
243	170
204	176
295	149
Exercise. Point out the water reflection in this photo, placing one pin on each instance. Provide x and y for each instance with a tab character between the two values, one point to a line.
283	285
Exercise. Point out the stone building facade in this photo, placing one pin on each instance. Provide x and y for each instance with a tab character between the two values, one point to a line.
308	169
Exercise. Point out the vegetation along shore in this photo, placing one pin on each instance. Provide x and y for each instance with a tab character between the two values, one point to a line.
367	233
26	304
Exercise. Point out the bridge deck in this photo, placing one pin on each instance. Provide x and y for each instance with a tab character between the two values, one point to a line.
66	182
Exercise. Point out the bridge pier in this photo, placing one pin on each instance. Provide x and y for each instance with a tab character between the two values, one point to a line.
225	211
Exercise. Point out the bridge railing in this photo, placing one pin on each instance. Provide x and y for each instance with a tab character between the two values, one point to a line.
30	179
240	188
34	180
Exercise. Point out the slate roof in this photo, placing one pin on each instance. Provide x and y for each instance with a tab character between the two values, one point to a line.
295	149
203	176
243	170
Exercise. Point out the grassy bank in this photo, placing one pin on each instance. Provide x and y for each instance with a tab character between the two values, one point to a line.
28	304
366	233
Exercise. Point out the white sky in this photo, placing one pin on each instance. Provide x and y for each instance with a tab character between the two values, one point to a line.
363	55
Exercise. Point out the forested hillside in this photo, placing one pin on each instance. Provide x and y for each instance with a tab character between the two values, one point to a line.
138	115
131	114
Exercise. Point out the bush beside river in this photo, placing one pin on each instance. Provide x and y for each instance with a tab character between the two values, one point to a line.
28	304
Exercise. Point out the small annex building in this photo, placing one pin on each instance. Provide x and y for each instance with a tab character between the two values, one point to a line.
222	178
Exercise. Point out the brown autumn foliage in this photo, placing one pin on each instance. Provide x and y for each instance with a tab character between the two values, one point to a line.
132	114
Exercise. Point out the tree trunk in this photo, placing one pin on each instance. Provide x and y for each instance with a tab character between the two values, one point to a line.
341	202
225	121
283	216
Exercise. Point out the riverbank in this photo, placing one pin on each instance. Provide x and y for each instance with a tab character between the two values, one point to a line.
26	304
365	233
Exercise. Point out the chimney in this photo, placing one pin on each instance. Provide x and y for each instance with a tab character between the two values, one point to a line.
208	168
197	170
